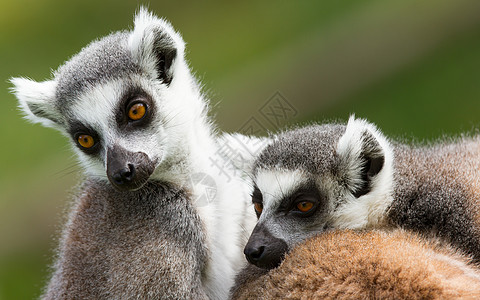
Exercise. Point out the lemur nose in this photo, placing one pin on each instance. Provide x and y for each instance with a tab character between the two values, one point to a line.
263	249
124	176
254	253
126	170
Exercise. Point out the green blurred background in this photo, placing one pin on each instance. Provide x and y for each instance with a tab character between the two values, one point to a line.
412	67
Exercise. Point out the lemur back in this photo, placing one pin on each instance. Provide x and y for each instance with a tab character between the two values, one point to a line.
437	191
334	176
345	264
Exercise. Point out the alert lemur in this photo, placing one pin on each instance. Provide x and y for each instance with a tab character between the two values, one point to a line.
136	116
330	176
371	264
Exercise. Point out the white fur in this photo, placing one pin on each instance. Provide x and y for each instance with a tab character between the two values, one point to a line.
228	220
242	149
141	41
369	209
38	93
275	185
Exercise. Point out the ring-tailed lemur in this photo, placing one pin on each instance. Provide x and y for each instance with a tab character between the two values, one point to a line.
374	264
350	176
167	225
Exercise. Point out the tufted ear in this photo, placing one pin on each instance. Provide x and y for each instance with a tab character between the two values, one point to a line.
36	99
363	152
155	45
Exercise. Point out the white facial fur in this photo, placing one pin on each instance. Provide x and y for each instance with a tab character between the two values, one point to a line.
98	108
277	184
340	208
179	106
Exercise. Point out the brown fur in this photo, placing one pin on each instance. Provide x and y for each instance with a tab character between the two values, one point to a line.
364	265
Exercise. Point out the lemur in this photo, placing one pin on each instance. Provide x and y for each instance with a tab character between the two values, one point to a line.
373	264
143	226
335	176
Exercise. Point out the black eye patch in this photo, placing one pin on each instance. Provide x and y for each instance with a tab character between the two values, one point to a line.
257	200
308	193
257	196
77	131
131	97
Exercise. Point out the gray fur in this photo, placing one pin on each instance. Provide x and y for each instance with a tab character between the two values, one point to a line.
91	67
433	192
147	244
289	149
435	189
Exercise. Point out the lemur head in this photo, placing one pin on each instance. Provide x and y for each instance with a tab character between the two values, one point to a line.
126	101
315	178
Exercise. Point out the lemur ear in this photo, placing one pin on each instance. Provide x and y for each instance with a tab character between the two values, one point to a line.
363	151
36	99
155	45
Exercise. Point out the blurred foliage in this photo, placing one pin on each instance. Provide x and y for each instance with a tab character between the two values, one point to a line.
412	67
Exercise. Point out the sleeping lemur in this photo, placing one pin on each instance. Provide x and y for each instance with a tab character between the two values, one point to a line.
154	219
335	176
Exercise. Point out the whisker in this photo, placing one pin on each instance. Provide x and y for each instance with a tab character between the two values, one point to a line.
67	173
175	125
169	117
68	168
279	186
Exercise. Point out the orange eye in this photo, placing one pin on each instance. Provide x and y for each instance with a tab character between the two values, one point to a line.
86	141
258	207
304	206
137	111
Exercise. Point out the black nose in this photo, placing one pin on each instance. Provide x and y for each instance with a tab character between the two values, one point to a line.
254	253
124	176
128	171
264	250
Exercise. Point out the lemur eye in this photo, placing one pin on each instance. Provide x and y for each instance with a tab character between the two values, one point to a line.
305	206
258	207
137	111
86	141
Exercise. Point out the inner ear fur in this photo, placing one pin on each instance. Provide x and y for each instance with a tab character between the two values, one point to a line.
361	150
165	53
155	45
372	159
